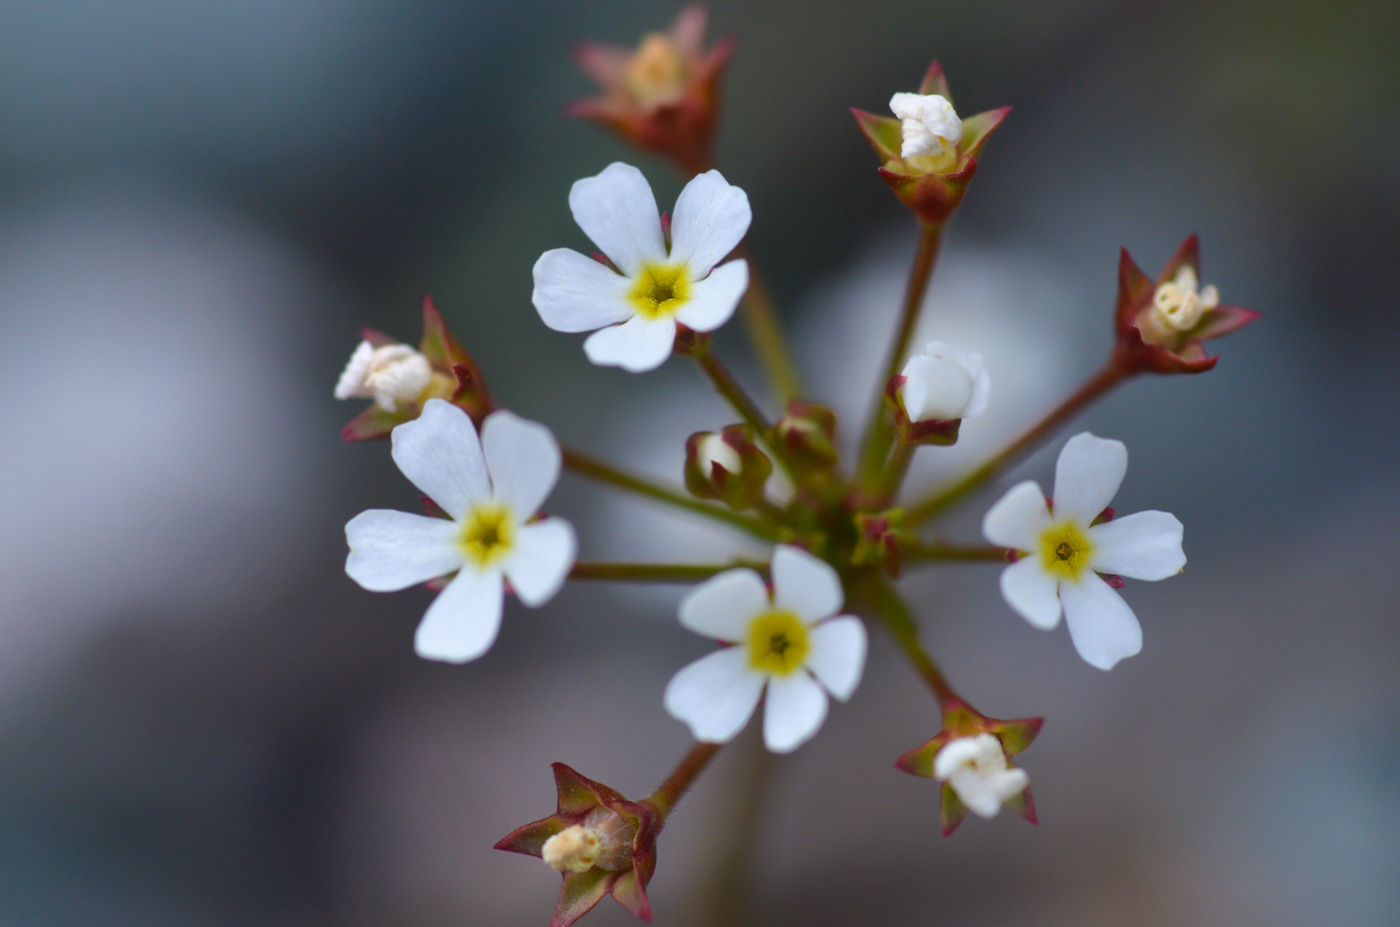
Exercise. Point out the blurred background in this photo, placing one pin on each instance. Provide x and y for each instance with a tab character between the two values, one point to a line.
204	722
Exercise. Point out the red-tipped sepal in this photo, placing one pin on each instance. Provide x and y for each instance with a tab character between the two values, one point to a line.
727	466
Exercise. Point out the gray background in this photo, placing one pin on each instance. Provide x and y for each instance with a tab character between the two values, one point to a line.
202	721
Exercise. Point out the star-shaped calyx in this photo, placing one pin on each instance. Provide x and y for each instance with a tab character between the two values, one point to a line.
971	757
928	154
1161	324
439	369
601	843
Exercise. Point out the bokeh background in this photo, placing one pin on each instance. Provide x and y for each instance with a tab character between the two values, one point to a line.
203	722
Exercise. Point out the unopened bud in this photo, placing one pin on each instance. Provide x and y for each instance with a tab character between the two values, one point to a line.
977	770
929	127
712	451
655	75
727	466
944	384
388	374
1178	304
574	849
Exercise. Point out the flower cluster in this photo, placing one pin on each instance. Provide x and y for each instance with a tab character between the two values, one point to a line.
792	627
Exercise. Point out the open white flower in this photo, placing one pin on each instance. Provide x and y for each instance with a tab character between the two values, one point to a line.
388	374
779	643
635	309
490	488
943	384
1065	552
977	770
928	124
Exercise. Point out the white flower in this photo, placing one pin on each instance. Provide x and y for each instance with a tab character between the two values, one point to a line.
944	384
635	311
780	643
489	487
976	769
1178	304
1065	555
928	124
388	374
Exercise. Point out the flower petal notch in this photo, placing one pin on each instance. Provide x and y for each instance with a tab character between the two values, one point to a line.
601	843
1074	550
936	391
928	154
401	380
636	302
664	96
1160	327
489	489
971	757
788	644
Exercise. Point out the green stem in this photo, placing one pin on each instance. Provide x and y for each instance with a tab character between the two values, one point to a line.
748	410
892	477
655	572
766	332
879	431
681	778
887	605
1100	383
932	552
604	473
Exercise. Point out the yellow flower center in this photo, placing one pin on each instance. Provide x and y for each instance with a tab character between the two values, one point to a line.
488	534
660	290
1065	550
778	643
655	74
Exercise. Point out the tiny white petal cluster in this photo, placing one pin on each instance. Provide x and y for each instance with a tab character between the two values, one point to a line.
388	374
977	770
633	310
574	849
928	124
1065	552
713	449
490	487
787	644
1179	303
944	383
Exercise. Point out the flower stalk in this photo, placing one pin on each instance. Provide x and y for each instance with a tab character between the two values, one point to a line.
681	778
766	332
876	593
656	572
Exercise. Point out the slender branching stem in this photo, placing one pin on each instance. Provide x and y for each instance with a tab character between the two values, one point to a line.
923	552
681	778
1097	385
605	473
885	602
896	468
656	572
880	429
766	332
748	410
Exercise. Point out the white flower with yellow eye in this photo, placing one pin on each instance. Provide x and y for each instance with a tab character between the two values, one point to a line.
1065	552
633	311
787	643
490	487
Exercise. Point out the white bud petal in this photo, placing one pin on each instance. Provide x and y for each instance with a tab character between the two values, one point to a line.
977	770
712	450
352	380
943	384
573	849
929	124
397	373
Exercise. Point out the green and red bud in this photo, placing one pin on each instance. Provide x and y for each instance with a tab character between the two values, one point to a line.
807	433
602	844
727	466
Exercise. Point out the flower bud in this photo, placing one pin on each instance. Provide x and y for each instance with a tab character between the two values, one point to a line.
391	374
929	127
976	768
727	466
573	849
655	75
944	384
808	433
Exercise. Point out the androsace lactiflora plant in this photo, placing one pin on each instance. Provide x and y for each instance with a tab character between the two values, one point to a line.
791	629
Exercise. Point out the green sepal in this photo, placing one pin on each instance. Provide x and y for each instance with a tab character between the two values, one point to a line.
951	811
530	838
579	893
1016	735
373	423
977	129
1023	804
882	132
578	794
631	893
1187	254
935	82
919	761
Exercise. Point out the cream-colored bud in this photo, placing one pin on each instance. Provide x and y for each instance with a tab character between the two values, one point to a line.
573	849
389	374
656	73
929	125
1179	305
713	449
978	772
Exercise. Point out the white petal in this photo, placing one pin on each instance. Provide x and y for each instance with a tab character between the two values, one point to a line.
1087	476
440	454
462	622
352	378
981	386
1102	626
714	299
1144	545
637	345
1010	782
978	791
618	212
574	293
523	459
715	695
795	711
935	389
1018	518
837	656
723	606
394	550
711	218
543	555
1030	590
805	584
